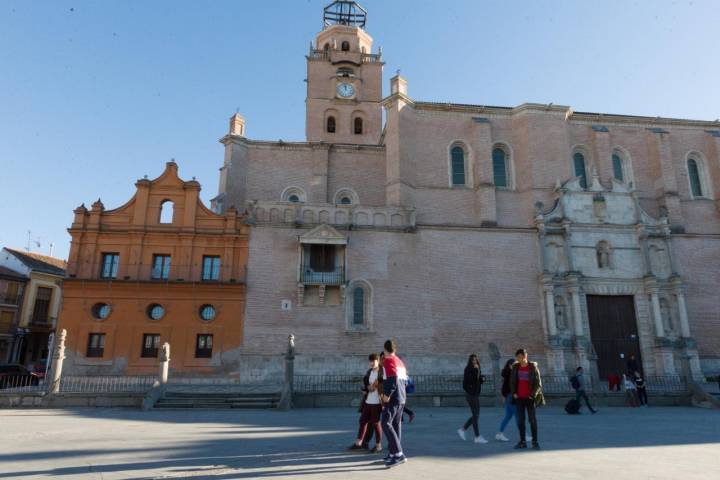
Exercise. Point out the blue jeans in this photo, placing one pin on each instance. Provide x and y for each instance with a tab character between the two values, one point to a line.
510	411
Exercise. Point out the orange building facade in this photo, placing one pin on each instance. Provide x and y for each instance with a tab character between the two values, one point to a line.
161	268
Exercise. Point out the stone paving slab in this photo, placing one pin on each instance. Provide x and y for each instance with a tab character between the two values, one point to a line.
112	444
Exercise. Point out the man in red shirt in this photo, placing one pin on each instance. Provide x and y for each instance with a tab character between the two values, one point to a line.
526	388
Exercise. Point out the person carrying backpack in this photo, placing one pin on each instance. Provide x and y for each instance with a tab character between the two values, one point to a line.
578	384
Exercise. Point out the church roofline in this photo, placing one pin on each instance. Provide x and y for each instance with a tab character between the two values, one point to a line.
570	115
240	140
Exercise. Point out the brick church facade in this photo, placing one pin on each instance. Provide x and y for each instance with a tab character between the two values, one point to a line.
456	228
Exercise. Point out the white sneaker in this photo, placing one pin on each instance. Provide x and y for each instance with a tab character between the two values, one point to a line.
480	439
461	432
528	438
501	437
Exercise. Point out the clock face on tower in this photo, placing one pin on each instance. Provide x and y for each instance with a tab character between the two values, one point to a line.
345	90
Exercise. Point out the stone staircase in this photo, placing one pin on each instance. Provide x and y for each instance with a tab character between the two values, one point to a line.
217	400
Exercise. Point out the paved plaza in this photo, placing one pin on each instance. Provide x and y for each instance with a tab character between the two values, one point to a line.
108	444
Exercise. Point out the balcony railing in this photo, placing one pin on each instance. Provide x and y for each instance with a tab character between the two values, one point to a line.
41	321
334	277
10	300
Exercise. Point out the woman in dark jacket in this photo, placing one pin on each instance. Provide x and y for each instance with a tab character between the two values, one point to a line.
472	380
510	409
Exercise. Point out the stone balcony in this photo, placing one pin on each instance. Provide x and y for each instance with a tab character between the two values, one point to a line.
348	216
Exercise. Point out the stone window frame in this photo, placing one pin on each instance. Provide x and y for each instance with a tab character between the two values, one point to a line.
509	164
350	325
467	159
346	192
588	160
626	161
293	190
703	176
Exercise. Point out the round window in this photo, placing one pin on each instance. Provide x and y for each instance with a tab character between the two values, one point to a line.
155	311
101	311
207	312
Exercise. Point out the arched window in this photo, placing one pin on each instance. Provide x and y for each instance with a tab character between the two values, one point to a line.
331	124
696	187
326	47
579	164
457	165
293	195
358	306
346	196
358	126
166	211
618	168
500	167
345	46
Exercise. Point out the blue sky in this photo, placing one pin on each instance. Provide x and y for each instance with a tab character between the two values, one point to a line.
96	94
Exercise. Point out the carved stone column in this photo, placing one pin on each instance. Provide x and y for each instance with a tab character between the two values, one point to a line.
164	363
577	310
550	310
656	313
684	323
58	359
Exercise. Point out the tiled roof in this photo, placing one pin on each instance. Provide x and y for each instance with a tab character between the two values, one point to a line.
7	273
40	263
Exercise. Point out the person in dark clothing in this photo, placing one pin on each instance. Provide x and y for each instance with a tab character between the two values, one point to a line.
579	386
510	409
526	388
632	365
394	383
371	408
641	389
472	382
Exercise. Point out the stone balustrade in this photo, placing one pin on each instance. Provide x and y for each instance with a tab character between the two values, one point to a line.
355	216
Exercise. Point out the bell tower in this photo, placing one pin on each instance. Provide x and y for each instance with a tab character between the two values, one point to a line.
344	80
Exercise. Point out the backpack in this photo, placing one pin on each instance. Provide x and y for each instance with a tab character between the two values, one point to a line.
572	407
574	382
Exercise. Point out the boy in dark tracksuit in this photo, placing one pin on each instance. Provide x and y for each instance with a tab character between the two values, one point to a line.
394	395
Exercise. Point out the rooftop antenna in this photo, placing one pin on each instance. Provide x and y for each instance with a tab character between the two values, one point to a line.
30	241
343	12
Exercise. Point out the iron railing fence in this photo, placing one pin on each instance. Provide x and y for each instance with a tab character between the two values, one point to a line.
10	299
560	384
666	383
106	383
424	384
20	383
335	277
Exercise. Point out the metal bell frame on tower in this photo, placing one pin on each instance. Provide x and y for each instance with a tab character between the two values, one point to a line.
343	12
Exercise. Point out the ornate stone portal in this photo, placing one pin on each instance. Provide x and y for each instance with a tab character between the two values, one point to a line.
599	241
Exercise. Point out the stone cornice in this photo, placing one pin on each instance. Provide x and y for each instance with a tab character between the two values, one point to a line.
281	145
570	115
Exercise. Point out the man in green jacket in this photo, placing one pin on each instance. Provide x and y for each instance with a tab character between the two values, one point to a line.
526	388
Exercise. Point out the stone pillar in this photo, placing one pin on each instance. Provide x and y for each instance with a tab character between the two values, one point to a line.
550	310
164	363
287	390
577	311
657	316
58	358
684	323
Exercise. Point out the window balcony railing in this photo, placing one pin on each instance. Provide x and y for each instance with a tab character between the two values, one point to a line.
43	321
10	300
312	277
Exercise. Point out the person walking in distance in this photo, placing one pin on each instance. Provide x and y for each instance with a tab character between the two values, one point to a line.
579	384
472	382
641	389
394	383
526	388
370	408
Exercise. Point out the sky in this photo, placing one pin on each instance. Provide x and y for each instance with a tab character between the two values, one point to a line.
96	94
